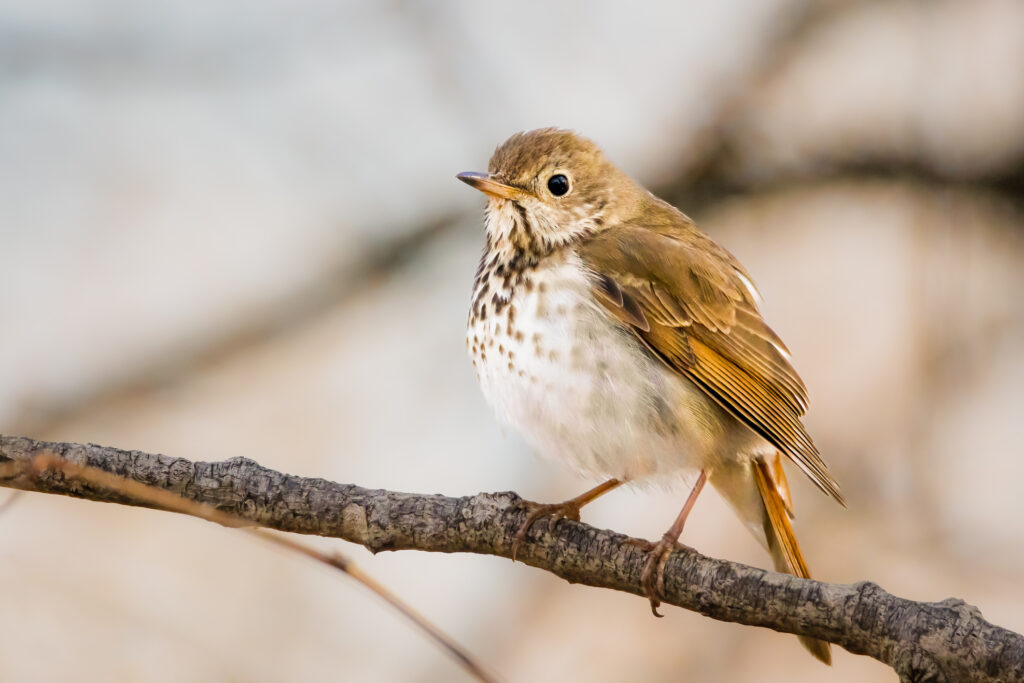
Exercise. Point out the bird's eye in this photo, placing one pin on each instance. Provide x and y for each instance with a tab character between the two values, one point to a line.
558	184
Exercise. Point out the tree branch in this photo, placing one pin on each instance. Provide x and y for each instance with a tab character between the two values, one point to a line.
922	641
147	495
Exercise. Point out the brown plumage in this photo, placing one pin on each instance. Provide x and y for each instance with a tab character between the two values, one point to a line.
682	295
785	551
630	345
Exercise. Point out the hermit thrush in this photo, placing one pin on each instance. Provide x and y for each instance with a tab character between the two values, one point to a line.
619	338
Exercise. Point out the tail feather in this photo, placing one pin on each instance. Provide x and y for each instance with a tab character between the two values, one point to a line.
785	551
779	477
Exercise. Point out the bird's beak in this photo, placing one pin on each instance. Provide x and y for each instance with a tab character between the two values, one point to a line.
489	186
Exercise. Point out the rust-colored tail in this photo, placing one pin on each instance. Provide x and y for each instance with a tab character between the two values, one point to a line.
774	490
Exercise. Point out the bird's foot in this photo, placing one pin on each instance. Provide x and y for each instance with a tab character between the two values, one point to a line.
569	509
653	577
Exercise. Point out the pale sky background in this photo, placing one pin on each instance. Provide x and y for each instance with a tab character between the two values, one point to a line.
193	198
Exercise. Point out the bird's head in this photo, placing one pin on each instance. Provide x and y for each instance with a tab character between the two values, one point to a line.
550	187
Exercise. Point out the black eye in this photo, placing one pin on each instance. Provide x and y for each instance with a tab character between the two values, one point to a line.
558	184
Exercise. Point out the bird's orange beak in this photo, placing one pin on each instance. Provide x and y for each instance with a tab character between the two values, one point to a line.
486	183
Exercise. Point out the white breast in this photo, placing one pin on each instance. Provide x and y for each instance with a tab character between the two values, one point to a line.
578	386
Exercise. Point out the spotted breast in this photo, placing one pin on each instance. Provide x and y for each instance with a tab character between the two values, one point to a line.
581	389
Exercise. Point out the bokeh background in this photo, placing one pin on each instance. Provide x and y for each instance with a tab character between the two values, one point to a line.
232	229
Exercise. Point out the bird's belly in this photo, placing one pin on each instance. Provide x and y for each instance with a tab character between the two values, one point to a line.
582	389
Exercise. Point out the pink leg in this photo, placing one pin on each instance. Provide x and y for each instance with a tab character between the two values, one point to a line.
570	509
653	577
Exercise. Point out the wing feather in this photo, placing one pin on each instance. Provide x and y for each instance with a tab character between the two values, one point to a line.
692	305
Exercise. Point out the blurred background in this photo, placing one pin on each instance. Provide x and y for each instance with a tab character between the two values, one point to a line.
233	229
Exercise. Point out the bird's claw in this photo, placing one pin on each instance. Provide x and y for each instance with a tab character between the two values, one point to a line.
557	511
653	576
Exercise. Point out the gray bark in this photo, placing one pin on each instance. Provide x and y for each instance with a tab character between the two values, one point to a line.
943	641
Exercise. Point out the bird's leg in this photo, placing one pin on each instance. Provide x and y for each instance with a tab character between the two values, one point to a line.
653	576
569	509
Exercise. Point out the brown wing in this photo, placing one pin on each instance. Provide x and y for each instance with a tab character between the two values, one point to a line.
688	300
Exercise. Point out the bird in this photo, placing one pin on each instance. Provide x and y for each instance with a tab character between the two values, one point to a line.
617	337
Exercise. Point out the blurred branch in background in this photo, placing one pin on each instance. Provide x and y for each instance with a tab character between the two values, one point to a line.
716	184
947	641
323	292
22	472
238	235
713	170
725	155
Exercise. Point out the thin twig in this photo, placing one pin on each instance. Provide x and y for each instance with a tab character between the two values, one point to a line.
138	492
922	641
